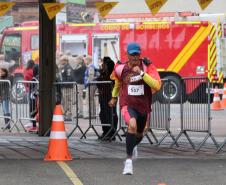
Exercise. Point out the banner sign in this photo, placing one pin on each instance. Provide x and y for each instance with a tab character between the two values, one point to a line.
155	5
53	8
204	3
5	7
74	11
105	7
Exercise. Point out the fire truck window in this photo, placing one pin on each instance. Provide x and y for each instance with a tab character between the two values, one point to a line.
34	42
11	47
108	46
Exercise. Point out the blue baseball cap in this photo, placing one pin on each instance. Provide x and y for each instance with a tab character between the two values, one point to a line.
133	47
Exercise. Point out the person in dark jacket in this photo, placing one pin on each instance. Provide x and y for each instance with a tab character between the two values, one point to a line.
4	96
58	96
107	114
67	75
33	97
79	73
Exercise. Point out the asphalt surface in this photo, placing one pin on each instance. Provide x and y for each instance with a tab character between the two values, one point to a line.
152	171
100	163
108	171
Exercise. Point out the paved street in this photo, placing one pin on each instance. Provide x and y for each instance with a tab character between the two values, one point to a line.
67	42
99	163
108	171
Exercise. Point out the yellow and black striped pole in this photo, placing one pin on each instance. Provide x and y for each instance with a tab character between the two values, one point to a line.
219	36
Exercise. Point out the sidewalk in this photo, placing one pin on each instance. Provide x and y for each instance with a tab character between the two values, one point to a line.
21	145
34	147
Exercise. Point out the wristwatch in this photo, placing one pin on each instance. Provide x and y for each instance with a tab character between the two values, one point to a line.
142	73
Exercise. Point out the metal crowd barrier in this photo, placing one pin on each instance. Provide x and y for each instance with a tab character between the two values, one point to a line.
99	94
66	94
26	103
6	104
221	146
195	110
160	115
159	118
123	126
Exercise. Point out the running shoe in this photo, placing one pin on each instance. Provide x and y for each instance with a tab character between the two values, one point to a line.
128	168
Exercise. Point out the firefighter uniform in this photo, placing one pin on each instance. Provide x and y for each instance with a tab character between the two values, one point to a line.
67	75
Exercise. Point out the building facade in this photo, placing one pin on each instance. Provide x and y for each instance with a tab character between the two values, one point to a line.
27	10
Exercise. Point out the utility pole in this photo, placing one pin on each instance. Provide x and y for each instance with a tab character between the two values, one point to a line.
47	73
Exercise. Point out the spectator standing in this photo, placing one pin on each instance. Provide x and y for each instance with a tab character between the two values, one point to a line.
107	114
58	86
28	75
4	96
79	73
4	64
91	74
58	56
71	58
67	75
33	98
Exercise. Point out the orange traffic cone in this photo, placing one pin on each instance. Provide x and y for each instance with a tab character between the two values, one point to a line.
223	101
58	146
216	105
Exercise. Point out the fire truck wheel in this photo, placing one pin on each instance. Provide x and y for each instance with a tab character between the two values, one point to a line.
19	92
170	90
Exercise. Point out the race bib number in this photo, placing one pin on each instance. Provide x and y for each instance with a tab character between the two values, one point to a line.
135	90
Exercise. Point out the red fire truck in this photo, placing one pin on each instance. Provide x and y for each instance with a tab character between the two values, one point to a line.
178	49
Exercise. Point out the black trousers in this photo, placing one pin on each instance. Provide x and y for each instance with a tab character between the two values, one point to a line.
108	115
32	110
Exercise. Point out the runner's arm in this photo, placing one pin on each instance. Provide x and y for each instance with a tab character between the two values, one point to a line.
153	83
152	78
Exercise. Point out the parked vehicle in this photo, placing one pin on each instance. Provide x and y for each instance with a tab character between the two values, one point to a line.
178	49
